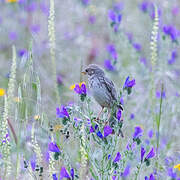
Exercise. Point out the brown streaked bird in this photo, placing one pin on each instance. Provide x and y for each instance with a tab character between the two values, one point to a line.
102	88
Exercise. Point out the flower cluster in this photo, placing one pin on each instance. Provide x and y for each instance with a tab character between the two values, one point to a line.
150	155
137	133
129	84
115	16
171	31
63	113
80	89
64	174
111	61
173	57
107	131
148	7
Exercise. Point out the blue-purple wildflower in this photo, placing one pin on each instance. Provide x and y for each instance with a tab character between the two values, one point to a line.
53	147
173	57
128	83
64	173
171	31
54	176
63	113
108	65
107	131
143	151
126	171
151	154
115	17
137	132
117	158
118	114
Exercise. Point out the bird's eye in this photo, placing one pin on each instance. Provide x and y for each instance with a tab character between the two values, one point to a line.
86	70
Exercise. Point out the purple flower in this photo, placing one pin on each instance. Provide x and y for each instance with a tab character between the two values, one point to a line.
128	83
143	60
171	173
151	177
46	156
53	147
158	94
137	46
152	11
130	146
137	132
117	158
150	133
112	51
62	113
77	121
77	89
83	88
80	89
122	100
72	173
108	65
118	114
173	57
175	11
13	36
35	28
115	18
99	134
31	7
107	131
54	177
85	2
44	8
91	130
126	171
64	173
112	15
142	153
144	6
92	19
151	154
132	116
59	79
33	164
109	156
22	52
171	31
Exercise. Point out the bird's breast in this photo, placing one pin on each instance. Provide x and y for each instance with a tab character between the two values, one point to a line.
98	91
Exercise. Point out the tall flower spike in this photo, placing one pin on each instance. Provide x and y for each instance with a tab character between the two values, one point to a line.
154	37
52	41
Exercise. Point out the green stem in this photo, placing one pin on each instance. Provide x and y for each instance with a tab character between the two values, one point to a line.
159	118
138	171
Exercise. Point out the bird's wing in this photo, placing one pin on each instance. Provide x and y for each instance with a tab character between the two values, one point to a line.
110	87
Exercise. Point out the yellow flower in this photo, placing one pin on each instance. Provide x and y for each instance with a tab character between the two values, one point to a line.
73	86
177	166
57	127
2	92
37	117
11	1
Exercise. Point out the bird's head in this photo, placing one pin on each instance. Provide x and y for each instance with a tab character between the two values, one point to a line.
93	69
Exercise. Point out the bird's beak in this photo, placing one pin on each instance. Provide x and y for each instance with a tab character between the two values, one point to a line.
83	72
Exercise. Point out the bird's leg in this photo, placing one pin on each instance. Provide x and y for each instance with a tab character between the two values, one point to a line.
109	115
100	113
